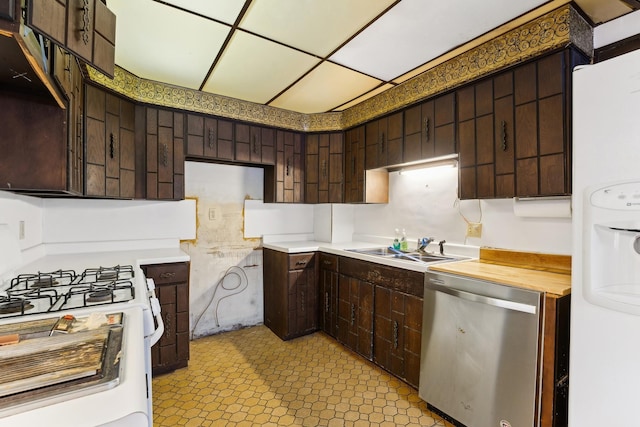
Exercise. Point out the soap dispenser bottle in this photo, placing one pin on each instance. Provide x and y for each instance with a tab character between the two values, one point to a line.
396	241
404	245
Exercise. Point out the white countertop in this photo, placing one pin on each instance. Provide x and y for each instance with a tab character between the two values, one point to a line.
342	250
80	261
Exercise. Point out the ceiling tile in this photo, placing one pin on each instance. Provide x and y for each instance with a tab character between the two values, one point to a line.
168	45
260	75
324	88
314	26
225	11
416	31
364	97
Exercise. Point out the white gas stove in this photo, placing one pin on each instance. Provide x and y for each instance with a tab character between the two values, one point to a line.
82	285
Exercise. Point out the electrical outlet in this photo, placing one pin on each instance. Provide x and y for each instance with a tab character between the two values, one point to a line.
474	229
212	214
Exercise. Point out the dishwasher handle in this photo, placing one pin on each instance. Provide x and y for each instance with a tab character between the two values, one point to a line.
438	285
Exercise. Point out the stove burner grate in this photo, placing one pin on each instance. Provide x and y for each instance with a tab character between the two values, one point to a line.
102	274
100	296
43	280
11	305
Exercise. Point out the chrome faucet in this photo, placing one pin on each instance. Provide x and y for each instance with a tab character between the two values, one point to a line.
423	242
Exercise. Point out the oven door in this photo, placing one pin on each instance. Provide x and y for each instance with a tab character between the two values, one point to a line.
126	404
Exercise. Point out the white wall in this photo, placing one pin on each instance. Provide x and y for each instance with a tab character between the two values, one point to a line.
616	30
425	204
226	267
15	208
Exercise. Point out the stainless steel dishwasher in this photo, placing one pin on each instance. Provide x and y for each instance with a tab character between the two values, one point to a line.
480	351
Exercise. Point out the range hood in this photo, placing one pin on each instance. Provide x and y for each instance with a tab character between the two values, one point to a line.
24	65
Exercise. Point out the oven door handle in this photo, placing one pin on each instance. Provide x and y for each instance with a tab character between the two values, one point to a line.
156	310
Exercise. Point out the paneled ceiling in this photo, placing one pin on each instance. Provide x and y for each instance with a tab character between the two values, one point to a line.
311	56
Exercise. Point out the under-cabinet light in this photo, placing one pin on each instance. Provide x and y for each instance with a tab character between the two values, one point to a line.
443	161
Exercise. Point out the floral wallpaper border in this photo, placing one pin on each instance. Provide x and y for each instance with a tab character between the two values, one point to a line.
553	30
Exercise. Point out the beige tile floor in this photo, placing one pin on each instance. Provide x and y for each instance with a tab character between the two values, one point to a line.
250	377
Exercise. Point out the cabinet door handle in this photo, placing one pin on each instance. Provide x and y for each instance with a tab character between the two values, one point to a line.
85	22
212	138
353	314
164	157
288	165
326	302
504	135
302	304
326	262
112	142
301	262
395	334
255	146
426	129
324	168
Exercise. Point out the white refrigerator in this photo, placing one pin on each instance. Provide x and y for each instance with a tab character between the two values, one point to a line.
604	371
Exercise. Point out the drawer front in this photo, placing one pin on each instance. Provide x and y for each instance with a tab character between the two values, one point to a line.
406	281
301	261
329	262
167	273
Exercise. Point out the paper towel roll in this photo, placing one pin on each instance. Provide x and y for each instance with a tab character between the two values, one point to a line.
542	207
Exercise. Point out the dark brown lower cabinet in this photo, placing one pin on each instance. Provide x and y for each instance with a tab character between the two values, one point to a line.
328	285
355	315
555	362
395	314
172	288
290	293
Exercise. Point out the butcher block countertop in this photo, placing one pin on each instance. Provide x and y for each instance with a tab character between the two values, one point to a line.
547	273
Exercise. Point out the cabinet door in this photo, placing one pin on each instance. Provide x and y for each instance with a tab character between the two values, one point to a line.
312	166
444	125
302	302
172	288
165	154
110	135
285	182
33	143
328	301
354	165
542	125
242	142
375	140
419	132
389	330
336	166
355	315
209	138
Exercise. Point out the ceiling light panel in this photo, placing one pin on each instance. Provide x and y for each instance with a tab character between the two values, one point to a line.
326	87
158	42
416	31
223	10
260	75
314	26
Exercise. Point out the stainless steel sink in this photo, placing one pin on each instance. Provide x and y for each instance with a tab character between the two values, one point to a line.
410	256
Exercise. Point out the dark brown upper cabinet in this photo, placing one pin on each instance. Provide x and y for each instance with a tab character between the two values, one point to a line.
514	130
354	165
254	144
87	28
209	138
34	144
383	141
429	129
324	177
110	145
164	132
284	182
